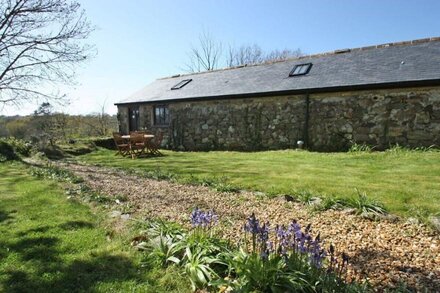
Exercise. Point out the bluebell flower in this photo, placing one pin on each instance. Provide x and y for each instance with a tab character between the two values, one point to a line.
252	225
263	234
317	258
295	230
269	246
283	237
203	219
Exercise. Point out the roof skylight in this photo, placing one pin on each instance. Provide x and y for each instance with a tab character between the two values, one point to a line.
300	69
181	84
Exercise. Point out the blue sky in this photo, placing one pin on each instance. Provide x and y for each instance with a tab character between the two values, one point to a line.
139	41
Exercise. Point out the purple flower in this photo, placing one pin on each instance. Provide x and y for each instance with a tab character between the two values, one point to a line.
269	246
281	232
203	219
252	225
317	257
283	236
263	234
295	229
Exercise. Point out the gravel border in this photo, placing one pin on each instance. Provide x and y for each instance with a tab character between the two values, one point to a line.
382	252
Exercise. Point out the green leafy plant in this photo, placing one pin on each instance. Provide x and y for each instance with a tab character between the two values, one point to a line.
98	198
226	187
195	251
295	262
360	148
162	250
365	205
399	149
328	203
305	197
198	267
252	273
160	227
158	174
20	146
55	173
218	183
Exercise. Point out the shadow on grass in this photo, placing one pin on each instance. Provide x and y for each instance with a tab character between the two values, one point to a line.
50	273
41	229
73	225
6	216
78	276
41	249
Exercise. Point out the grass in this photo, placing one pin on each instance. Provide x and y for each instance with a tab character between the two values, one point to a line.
401	180
52	244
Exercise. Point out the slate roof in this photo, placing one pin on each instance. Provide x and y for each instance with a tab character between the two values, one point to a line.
413	62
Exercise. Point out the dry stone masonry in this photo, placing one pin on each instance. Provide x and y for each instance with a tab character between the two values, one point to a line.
326	122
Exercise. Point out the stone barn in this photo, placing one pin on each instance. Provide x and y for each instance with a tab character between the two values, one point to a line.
379	95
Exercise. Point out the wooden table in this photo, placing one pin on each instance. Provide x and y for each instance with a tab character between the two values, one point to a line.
136	151
127	136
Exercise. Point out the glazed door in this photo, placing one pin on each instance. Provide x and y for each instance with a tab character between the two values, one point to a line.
133	118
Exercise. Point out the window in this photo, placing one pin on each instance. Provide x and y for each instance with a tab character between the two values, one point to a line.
161	115
300	69
181	84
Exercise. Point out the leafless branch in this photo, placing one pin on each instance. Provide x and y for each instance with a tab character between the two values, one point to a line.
253	54
206	55
41	45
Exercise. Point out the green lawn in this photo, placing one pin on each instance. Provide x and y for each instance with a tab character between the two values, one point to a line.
49	243
401	180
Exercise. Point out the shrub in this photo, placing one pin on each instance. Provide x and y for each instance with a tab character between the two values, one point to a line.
7	152
20	146
11	148
106	142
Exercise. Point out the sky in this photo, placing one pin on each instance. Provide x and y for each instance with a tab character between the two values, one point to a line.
140	41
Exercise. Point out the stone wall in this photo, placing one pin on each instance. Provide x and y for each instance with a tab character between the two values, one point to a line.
410	117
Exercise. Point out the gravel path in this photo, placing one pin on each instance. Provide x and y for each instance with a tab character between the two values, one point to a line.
382	252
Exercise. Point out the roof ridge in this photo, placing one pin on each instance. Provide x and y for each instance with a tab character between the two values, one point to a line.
328	53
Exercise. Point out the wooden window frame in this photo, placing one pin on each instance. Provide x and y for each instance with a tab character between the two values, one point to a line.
163	121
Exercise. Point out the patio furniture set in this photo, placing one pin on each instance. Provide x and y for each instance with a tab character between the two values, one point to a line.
137	143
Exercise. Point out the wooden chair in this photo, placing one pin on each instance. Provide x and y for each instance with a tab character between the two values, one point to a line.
154	144
121	144
138	144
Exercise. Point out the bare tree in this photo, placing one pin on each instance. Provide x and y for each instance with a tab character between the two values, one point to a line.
250	54
277	55
103	120
253	54
41	44
206	55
